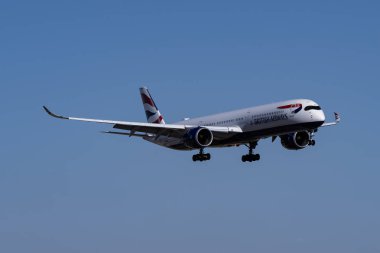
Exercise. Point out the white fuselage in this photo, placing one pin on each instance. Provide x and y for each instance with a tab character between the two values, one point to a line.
258	122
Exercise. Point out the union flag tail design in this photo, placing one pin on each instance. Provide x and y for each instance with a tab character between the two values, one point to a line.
153	115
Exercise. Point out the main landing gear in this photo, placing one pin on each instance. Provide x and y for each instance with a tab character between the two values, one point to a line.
250	157
201	156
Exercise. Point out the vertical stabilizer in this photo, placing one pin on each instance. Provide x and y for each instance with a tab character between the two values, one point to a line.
153	115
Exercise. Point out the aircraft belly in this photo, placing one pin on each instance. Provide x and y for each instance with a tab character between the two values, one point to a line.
260	133
251	133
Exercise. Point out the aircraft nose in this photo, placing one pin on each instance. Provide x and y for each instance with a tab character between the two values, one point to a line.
319	116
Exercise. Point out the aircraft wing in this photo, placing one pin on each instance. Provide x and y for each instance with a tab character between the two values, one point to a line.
337	120
170	130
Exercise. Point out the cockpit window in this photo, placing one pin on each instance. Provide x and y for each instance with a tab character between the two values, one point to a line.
312	107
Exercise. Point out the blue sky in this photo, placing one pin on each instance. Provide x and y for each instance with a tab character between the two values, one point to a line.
65	187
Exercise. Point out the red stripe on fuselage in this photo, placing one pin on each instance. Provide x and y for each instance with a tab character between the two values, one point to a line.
289	106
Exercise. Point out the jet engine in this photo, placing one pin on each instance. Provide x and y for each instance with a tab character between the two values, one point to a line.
199	137
295	141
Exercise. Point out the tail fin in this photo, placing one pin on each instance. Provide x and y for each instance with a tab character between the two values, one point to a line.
153	115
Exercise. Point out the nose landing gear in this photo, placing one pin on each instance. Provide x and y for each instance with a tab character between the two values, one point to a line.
312	141
201	156
250	157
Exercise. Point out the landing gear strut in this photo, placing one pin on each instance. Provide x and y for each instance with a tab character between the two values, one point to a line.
311	141
201	156
250	157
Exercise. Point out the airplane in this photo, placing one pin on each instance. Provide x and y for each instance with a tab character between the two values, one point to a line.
295	122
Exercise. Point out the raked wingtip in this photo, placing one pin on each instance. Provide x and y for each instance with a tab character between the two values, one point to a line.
52	114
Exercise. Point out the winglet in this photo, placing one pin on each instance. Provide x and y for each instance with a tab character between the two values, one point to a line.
52	114
337	120
337	117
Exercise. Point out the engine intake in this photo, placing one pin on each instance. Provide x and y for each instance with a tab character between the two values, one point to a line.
199	137
295	141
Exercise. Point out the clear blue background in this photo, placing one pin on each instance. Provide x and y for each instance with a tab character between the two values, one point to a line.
65	187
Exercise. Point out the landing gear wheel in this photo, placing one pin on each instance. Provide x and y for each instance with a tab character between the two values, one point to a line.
312	143
201	156
250	157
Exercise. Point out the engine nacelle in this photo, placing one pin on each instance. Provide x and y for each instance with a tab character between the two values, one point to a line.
295	141
199	137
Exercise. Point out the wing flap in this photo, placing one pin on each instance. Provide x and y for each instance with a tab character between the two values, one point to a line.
130	134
